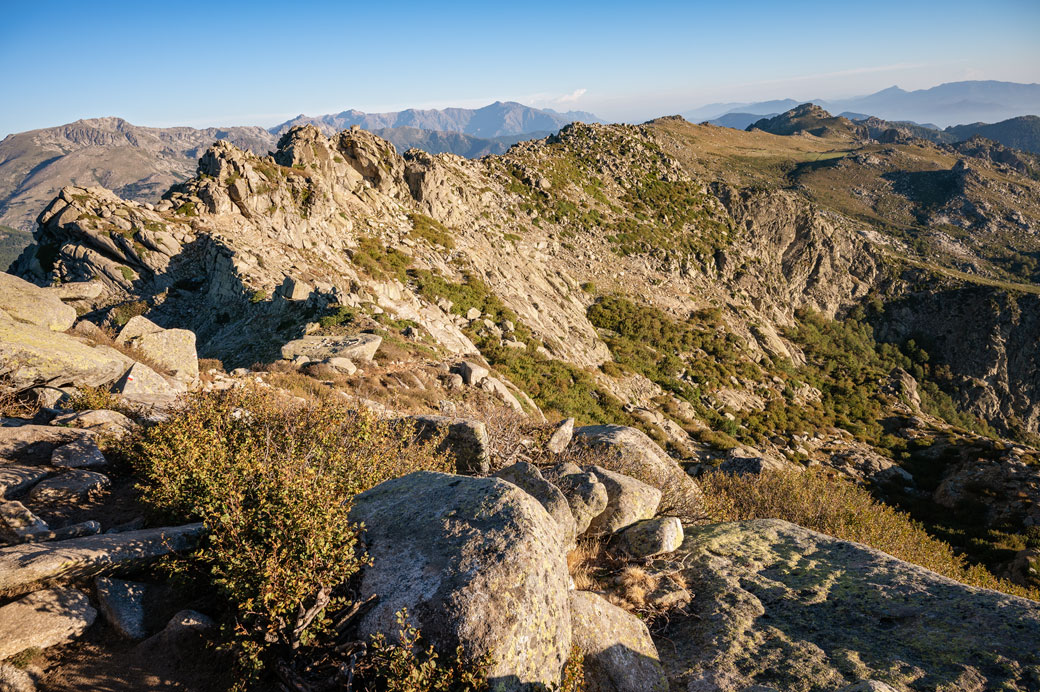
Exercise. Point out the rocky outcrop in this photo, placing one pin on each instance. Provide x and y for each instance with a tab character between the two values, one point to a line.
476	562
784	607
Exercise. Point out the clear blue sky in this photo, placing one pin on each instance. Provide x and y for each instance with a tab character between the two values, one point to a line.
236	63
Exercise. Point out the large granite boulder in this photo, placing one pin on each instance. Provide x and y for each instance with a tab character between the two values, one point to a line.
629	451
172	349
31	354
528	478
781	606
28	302
618	653
476	562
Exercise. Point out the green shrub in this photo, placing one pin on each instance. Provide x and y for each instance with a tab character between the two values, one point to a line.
379	261
272	482
127	272
432	230
121	314
839	508
186	209
258	296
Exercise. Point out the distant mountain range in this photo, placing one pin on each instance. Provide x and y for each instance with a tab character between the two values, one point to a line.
500	119
947	104
140	163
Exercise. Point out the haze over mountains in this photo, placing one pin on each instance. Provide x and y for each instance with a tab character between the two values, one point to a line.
953	103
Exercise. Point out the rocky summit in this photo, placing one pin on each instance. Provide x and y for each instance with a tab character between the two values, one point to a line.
625	408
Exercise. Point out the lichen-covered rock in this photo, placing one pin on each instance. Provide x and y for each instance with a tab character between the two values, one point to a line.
27	302
619	655
742	461
141	380
78	454
43	619
173	349
30	354
586	496
651	537
360	347
477	562
786	607
70	487
99	421
628	501
630	451
472	373
528	478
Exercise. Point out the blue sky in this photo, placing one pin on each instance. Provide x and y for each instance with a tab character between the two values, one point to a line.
237	63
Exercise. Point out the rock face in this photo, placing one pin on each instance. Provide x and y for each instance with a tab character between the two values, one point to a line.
784	607
43	619
619	655
477	562
123	605
585	494
29	303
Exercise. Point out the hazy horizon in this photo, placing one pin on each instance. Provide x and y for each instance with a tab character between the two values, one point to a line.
261	64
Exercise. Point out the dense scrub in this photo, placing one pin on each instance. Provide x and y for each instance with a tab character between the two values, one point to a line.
839	508
273	484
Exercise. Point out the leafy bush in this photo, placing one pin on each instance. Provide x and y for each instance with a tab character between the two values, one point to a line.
432	230
841	509
121	314
258	296
273	484
379	261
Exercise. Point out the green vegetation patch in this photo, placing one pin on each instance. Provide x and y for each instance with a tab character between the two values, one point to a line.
431	230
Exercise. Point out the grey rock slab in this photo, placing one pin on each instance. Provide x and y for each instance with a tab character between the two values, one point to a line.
44	619
81	453
477	562
97	421
28	563
35	443
123	605
775	601
360	347
72	486
628	501
619	655
20	520
141	380
14	478
651	537
83	528
182	639
561	437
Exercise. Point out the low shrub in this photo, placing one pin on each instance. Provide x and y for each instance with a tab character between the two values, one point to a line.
839	508
272	482
431	230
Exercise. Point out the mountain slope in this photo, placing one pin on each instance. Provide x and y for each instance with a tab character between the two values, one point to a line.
138	162
498	119
811	119
1018	133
